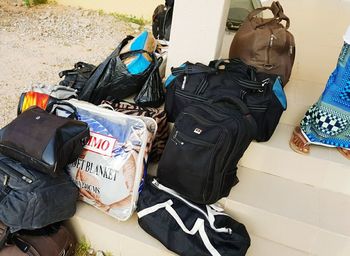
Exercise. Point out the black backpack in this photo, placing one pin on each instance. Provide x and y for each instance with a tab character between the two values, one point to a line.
76	78
262	93
30	199
208	139
189	229
161	20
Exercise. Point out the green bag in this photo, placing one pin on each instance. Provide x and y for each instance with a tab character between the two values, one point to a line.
239	10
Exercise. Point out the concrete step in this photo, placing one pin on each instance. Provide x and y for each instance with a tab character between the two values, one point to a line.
290	213
290	233
128	239
324	167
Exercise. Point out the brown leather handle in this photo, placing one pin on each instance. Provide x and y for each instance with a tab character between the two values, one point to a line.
277	11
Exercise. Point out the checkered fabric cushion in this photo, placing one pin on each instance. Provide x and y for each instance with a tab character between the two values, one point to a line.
328	123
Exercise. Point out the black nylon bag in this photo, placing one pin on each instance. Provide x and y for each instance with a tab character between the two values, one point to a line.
30	199
187	228
77	77
262	93
208	139
152	92
112	78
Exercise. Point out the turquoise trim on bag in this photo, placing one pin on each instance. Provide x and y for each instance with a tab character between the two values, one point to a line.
279	92
171	77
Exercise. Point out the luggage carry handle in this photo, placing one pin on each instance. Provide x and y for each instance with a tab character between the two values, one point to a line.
197	68
120	46
234	101
243	108
73	71
128	54
277	12
53	106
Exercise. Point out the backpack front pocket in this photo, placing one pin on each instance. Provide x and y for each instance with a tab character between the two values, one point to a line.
186	164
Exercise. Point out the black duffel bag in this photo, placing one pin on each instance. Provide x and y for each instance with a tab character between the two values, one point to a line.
30	199
262	93
112	79
189	229
208	139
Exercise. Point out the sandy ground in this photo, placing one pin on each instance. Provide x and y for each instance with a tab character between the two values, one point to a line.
37	43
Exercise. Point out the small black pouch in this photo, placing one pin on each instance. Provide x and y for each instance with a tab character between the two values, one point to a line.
43	141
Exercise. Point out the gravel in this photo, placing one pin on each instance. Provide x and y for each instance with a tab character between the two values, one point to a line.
37	43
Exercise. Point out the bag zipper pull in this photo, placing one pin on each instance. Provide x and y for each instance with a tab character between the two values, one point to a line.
6	180
265	82
155	183
26	179
272	37
176	140
184	83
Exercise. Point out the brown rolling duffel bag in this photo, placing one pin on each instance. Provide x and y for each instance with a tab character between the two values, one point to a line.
60	243
266	44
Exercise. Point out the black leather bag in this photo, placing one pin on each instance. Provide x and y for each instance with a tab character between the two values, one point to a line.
44	141
207	140
189	229
262	93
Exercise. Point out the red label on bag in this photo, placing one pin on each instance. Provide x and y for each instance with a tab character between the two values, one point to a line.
100	144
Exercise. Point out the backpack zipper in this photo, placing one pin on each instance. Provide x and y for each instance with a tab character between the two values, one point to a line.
189	139
269	66
14	174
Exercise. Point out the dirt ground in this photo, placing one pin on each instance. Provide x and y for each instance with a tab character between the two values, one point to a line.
37	43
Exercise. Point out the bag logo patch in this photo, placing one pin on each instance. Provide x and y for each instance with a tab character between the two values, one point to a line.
198	131
100	144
